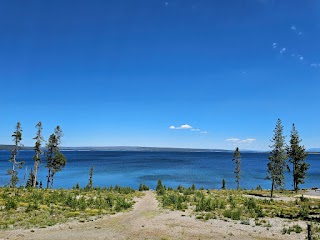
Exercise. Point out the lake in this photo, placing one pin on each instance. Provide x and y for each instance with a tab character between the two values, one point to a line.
125	168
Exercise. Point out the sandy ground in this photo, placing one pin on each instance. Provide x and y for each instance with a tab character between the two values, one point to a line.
147	221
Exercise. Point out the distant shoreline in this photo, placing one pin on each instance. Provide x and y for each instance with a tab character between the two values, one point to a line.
134	149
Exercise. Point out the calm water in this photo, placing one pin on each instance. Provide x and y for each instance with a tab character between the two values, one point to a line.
204	169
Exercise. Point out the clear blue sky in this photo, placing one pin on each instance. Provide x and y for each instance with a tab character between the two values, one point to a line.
121	72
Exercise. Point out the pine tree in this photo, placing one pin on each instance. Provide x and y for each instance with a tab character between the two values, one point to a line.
89	185
160	188
31	179
51	151
56	161
38	151
277	159
297	155
237	160
223	184
17	137
59	135
59	162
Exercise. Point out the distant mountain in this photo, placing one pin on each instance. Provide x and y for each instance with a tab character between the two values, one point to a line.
141	149
314	150
124	148
133	149
10	147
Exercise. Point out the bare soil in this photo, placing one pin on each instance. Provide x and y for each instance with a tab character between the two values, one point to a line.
148	221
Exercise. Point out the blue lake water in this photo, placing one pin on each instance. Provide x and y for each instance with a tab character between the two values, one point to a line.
204	169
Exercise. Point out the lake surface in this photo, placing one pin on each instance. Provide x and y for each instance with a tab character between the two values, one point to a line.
204	169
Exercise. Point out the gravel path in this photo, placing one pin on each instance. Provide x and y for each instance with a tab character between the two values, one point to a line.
147	221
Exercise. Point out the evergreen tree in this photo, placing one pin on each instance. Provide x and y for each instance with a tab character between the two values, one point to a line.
223	184
38	151
56	161
51	151
59	162
17	137
59	135
277	159
297	155
89	185
237	160
160	188
31	179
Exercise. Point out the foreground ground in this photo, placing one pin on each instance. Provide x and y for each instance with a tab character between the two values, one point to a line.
148	221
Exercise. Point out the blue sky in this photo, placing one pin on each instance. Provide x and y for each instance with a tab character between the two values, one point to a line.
111	73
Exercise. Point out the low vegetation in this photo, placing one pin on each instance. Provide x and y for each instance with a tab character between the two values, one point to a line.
241	205
32	207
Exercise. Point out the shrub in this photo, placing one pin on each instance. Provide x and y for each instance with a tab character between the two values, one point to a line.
234	214
11	203
295	228
160	189
143	187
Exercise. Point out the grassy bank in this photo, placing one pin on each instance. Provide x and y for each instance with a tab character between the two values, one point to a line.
26	208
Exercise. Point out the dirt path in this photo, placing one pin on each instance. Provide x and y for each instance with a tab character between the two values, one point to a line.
147	221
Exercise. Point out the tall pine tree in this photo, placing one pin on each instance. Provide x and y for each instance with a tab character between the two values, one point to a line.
38	152
17	137
56	161
90	183
51	151
277	159
237	160
297	155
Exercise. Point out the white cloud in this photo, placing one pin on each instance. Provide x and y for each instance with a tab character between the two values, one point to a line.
274	45
232	140
185	126
188	127
235	141
283	50
293	28
248	140
300	58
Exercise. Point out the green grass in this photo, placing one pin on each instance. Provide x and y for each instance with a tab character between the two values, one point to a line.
29	208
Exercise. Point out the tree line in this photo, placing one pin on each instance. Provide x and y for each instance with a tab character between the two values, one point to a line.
55	160
280	155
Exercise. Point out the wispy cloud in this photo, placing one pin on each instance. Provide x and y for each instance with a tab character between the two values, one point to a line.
315	65
195	130
187	127
295	30
282	50
297	56
236	141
